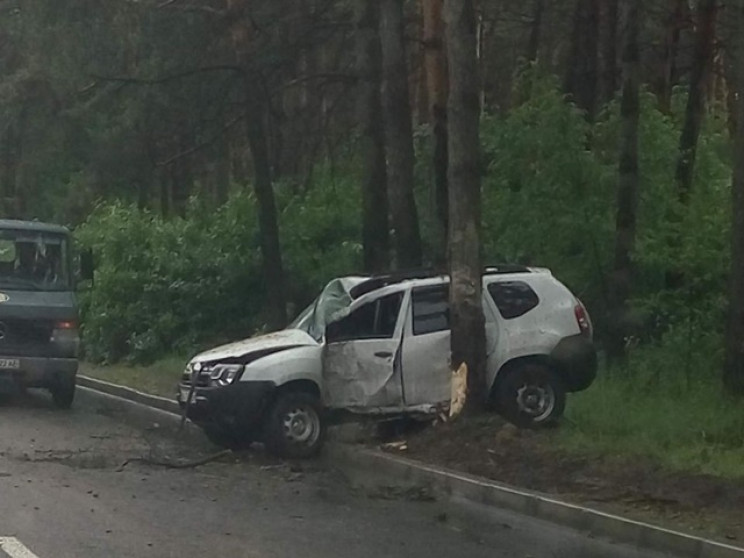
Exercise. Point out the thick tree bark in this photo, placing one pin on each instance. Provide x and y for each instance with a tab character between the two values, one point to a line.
695	111
268	226
733	371
581	78
375	231
399	136
464	246
435	60
627	187
671	50
609	50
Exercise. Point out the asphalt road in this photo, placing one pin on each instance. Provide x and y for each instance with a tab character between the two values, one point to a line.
88	483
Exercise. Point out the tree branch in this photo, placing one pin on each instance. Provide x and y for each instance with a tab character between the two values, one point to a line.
171	77
207	143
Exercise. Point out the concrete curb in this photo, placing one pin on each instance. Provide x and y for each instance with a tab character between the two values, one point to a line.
362	465
130	394
366	464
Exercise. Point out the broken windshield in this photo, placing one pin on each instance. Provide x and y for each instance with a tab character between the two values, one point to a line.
33	261
334	298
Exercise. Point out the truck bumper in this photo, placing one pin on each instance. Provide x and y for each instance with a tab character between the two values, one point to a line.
576	357
35	371
241	405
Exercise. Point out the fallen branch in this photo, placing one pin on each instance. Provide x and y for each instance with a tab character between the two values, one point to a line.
176	465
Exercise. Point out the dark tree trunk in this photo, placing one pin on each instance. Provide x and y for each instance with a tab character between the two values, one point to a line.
399	136
671	49
580	83
627	187
465	266
733	371
268	226
701	66
375	231
533	45
435	59
609	51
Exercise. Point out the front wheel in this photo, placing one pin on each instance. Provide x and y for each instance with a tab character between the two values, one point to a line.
531	395
63	392
294	428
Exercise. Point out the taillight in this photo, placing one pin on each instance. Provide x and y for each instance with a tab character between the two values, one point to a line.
65	325
582	318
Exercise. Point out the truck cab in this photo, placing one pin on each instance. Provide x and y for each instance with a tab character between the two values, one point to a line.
39	339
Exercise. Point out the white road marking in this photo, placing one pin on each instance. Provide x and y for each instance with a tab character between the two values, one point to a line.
14	548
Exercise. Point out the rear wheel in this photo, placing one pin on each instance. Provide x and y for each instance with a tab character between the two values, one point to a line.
63	392
531	395
294	427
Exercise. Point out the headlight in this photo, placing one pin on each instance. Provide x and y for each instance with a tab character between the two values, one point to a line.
225	374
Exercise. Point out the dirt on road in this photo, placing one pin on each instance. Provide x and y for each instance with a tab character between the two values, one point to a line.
630	486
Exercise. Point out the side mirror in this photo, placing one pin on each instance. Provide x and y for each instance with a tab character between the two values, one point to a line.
87	265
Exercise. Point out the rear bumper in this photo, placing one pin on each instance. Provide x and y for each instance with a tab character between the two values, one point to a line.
576	358
241	405
38	371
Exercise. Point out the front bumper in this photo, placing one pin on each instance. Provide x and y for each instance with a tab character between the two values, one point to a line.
240	405
576	358
36	371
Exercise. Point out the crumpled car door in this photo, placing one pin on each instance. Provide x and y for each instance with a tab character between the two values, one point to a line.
361	357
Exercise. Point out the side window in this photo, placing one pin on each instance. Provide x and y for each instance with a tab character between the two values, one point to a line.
375	320
513	298
430	310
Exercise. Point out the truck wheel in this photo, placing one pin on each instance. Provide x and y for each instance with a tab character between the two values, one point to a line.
294	428
63	392
531	395
226	437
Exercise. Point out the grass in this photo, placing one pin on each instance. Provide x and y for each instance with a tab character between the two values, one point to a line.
159	378
682	425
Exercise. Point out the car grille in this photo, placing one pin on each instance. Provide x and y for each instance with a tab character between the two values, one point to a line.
202	379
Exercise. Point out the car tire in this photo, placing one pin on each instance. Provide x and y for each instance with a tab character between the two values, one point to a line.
226	436
63	392
294	427
531	395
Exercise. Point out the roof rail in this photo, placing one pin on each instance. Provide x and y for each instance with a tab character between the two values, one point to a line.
379	281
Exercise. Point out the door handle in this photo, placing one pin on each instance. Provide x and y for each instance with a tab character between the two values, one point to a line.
384	354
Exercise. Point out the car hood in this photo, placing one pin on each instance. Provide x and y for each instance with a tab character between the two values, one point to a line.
272	342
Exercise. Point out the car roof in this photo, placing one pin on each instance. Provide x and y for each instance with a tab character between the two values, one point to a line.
427	277
32	226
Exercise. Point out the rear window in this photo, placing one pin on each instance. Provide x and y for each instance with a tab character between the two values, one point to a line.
430	310
513	298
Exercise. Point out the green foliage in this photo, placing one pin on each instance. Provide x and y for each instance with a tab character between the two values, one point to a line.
176	285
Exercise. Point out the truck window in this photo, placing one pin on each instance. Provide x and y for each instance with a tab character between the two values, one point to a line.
430	309
513	298
374	320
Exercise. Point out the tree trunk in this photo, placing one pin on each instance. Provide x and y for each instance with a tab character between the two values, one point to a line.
671	49
533	46
580	83
464	246
609	51
701	65
399	136
268	227
733	371
435	60
627	187
375	231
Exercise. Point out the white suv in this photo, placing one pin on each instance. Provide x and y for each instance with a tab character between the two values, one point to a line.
380	346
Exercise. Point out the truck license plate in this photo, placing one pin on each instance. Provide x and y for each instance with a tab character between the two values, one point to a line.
9	364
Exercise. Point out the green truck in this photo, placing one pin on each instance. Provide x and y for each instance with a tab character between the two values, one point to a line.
39	338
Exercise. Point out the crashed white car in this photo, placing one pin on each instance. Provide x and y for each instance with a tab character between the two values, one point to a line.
380	346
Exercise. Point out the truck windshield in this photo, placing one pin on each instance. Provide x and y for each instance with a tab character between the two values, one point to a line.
34	261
